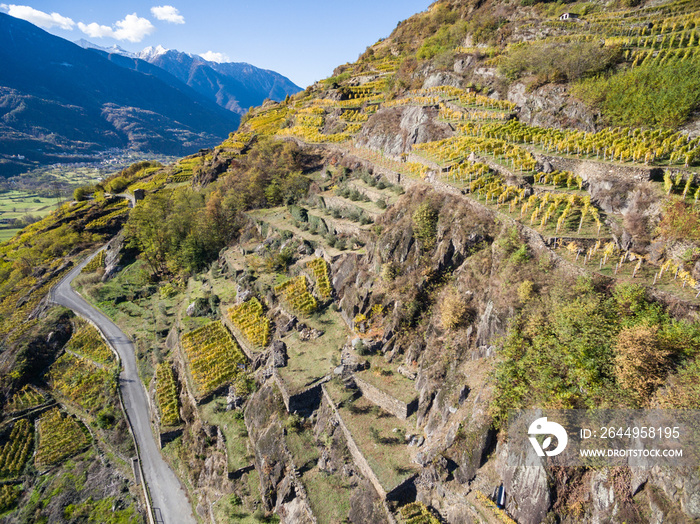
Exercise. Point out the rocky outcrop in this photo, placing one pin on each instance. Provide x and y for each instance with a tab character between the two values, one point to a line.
527	489
395	130
279	488
551	106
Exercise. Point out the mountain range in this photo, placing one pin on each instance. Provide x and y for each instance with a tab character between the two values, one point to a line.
60	102
233	85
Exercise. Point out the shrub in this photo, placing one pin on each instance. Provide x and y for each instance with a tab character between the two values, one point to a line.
520	255
525	291
116	185
381	203
558	62
294	423
105	419
680	221
355	195
425	221
640	361
81	193
453	310
683	390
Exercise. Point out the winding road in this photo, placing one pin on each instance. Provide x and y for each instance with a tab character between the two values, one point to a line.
168	498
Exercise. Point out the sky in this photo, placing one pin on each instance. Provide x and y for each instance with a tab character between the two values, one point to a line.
304	39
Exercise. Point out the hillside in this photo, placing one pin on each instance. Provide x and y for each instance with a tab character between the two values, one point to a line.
61	103
339	310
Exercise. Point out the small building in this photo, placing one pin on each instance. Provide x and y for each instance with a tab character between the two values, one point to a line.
139	194
568	16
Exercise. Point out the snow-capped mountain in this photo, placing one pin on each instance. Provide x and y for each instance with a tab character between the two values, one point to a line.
233	85
86	44
151	53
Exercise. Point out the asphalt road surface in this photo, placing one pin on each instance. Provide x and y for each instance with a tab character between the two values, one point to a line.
170	503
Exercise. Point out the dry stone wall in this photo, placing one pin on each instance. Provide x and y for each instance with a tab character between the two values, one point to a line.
385	401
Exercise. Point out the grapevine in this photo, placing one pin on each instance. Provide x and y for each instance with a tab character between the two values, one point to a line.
97	262
88	342
15	452
166	395
214	357
250	319
8	496
60	437
294	294
320	271
27	397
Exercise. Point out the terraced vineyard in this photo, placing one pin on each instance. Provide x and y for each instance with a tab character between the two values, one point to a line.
497	512
60	437
106	219
88	342
155	183
15	452
166	395
213	357
611	144
295	295
417	513
83	382
25	398
250	319
9	494
506	153
97	262
320	271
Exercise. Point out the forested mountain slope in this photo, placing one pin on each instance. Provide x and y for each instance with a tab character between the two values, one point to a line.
61	102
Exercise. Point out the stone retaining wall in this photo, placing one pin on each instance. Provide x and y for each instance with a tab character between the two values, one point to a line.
357	456
385	401
301	400
237	335
596	169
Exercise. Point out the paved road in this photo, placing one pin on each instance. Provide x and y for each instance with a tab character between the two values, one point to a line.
169	499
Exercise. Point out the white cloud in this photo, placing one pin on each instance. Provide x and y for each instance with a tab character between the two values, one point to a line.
96	30
133	28
36	17
168	13
211	56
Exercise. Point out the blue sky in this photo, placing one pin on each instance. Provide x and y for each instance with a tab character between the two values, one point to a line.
304	40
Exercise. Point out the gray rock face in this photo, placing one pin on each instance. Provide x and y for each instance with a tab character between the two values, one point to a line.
464	65
442	79
113	257
489	325
278	355
551	106
527	492
395	130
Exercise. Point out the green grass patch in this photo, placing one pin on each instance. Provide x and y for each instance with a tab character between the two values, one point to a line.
313	359
384	377
647	95
233	427
373	431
